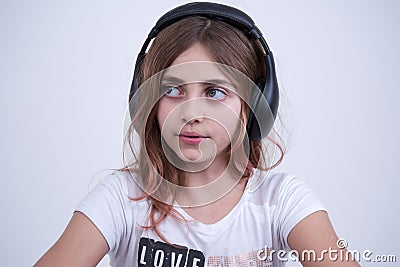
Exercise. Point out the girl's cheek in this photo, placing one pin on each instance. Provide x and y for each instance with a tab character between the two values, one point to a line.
164	110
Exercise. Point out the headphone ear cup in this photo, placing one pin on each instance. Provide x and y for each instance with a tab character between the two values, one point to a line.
135	84
253	127
264	102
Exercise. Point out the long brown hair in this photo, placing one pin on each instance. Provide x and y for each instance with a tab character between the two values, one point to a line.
226	45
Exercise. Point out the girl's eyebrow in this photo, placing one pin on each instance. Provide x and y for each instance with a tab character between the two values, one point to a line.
221	82
173	79
176	80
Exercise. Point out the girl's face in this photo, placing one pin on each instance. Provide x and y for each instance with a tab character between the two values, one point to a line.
198	116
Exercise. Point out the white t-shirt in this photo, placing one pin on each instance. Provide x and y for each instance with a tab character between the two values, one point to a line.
259	223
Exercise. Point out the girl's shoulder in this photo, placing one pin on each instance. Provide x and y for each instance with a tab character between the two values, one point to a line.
263	181
276	187
119	182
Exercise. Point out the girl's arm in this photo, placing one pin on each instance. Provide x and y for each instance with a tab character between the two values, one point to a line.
315	233
81	244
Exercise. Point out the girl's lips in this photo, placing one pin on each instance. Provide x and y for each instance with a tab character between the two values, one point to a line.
191	134
191	138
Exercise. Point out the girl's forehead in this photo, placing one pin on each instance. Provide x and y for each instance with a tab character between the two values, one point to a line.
195	53
199	70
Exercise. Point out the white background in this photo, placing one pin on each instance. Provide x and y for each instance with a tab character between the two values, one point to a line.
65	73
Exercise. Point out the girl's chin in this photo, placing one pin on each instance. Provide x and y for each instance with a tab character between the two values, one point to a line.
194	162
195	157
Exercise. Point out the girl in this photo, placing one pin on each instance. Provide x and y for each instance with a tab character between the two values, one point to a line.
198	191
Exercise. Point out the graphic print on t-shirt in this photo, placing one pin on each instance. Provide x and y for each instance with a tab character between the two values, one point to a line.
159	254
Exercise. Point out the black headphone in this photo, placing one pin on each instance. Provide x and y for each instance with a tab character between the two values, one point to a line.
264	102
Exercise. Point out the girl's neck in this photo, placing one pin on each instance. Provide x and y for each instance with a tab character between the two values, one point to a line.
210	174
207	186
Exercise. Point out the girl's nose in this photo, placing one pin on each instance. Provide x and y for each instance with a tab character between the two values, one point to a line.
193	110
193	120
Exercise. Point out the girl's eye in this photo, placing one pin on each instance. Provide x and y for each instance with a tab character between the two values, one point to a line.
172	91
216	93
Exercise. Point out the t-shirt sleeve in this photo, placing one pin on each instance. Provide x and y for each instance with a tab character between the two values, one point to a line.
296	201
107	206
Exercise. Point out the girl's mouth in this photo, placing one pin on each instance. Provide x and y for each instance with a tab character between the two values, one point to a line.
191	138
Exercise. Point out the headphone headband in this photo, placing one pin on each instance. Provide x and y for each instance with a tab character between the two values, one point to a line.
228	14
